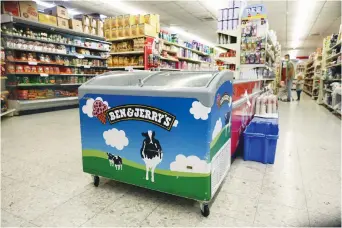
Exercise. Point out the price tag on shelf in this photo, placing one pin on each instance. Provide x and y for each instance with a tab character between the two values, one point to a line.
32	63
44	75
129	68
86	66
78	65
80	56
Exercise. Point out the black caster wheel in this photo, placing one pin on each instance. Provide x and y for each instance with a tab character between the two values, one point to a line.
96	181
205	210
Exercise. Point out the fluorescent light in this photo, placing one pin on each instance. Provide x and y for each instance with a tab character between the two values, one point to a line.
45	4
293	54
73	12
304	11
123	6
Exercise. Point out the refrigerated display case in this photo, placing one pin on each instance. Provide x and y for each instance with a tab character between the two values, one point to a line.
165	131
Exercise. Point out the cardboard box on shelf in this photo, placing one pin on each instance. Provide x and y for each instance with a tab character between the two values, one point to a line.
108	34
47	19
120	21
146	30
57	11
114	33
62	23
151	19
75	25
99	24
107	23
86	29
139	19
134	30
28	10
114	22
127	31
120	32
11	7
92	22
92	31
84	18
99	32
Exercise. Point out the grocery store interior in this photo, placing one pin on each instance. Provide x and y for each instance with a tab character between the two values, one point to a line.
96	97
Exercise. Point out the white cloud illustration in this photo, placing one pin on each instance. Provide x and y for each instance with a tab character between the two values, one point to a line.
115	138
217	128
199	111
190	164
175	123
88	107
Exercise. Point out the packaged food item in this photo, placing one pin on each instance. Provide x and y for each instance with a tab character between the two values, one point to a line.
121	61
115	60
23	57
127	31
27	69
10	68
19	69
33	69
40	69
11	7
56	70
28	10
46	69
120	21
120	32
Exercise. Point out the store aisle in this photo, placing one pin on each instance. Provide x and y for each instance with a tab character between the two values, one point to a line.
43	184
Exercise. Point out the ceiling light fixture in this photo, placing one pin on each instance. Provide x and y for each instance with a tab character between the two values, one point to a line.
302	20
124	7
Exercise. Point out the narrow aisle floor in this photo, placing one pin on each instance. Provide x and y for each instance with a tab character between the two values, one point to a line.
42	182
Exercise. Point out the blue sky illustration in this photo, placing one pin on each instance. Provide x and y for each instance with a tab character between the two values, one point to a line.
190	137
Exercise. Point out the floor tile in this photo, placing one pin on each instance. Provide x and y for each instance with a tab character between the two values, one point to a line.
222	220
318	219
272	214
243	187
10	220
323	203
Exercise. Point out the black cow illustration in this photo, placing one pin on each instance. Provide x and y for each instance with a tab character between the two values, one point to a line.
151	152
115	161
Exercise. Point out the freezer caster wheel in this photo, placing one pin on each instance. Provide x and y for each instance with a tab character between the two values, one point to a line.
205	210
96	181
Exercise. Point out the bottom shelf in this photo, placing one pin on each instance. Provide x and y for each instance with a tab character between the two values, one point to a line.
309	93
25	105
9	112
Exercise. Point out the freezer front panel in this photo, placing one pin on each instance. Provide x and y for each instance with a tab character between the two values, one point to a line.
160	143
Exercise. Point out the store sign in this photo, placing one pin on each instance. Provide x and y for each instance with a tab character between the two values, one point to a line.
142	113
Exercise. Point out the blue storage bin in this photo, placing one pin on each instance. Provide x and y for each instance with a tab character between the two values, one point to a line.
260	140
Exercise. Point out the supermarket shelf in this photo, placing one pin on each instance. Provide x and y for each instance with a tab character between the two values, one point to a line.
332	80
52	42
333	57
6	18
170	52
338	111
80	56
123	67
167	69
182	46
335	46
127	38
42	84
168	59
328	90
127	53
45	75
235	32
246	67
229	46
32	63
189	60
326	104
25	105
228	60
334	65
9	112
309	93
3	77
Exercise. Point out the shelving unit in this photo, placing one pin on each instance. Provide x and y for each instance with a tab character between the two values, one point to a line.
46	64
312	74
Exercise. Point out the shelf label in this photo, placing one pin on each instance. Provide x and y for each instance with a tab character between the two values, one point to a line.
86	66
32	63
80	56
44	75
129	68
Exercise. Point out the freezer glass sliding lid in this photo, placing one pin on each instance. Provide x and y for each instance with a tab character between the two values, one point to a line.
179	79
123	78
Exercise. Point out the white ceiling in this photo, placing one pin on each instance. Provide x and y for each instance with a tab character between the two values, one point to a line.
324	19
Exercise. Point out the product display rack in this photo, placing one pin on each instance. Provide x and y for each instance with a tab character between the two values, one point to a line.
330	86
46	64
312	74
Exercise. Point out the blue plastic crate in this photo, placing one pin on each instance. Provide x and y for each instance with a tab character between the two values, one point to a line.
260	140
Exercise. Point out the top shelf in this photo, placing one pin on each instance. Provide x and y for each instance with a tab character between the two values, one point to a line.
335	46
182	46
6	18
235	32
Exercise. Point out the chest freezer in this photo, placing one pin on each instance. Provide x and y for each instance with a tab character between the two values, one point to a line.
165	131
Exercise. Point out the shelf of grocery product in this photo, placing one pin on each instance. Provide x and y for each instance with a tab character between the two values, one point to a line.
170	51
6	18
127	53
46	75
80	56
42	84
182	46
227	60
189	60
8	112
233	46
52	42
334	65
333	56
26	105
37	63
123	67
167	69
168	59
232	32
309	93
127	38
335	46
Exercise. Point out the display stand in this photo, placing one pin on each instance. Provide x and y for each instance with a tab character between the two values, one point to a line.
313	74
46	64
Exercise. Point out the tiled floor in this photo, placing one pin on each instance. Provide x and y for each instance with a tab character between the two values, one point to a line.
42	183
